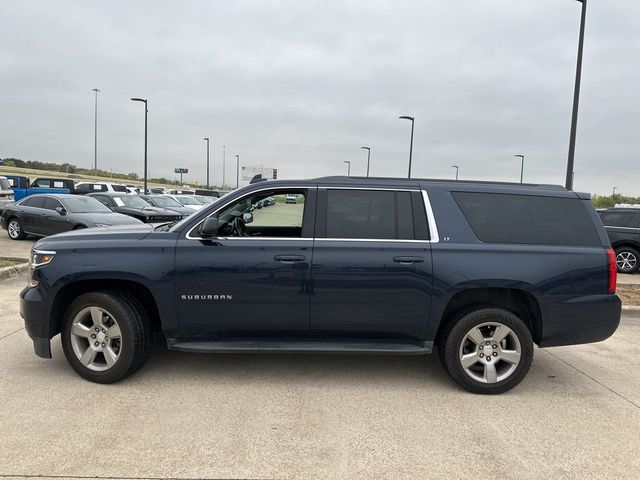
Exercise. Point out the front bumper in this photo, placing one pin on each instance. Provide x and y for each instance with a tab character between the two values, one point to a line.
37	320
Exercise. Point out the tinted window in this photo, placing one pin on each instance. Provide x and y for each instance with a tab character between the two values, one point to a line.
35	201
51	203
361	214
501	218
404	217
82	204
617	219
119	188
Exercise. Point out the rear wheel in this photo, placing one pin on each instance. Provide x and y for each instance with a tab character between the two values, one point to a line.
487	351
14	229
627	260
106	336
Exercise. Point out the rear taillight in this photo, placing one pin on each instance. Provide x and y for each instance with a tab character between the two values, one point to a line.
613	271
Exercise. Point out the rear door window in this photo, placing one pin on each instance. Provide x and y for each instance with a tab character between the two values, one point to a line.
119	188
369	214
51	203
528	219
36	202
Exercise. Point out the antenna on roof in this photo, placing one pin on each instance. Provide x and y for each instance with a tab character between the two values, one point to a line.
257	178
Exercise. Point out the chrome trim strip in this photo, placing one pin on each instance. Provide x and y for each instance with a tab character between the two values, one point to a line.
431	219
623	228
35	252
384	189
393	240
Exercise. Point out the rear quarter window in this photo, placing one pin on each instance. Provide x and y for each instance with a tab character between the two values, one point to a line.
528	219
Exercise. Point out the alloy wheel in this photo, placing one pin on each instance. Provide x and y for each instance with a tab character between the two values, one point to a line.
490	352
96	338
14	228
626	261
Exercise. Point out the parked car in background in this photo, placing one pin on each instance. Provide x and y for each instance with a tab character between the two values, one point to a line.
207	193
136	207
6	193
291	198
156	191
54	183
43	215
623	227
83	188
22	187
180	192
204	200
188	201
168	203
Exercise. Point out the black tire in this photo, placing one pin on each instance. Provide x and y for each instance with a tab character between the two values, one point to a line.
19	235
135	327
455	340
627	260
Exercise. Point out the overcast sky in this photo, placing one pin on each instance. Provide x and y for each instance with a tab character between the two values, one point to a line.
301	85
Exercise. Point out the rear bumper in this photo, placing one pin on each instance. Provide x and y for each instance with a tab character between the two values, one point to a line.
37	321
577	320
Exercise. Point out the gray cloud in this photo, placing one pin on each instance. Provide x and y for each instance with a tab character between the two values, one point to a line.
302	85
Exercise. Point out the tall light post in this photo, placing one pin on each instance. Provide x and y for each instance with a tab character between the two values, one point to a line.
457	168
614	192
576	100
237	171
224	162
368	158
95	134
407	117
348	167
521	167
207	140
146	110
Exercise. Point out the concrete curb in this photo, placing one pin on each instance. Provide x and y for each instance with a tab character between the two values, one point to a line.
631	308
14	270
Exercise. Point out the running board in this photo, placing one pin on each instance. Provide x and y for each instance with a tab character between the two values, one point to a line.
301	346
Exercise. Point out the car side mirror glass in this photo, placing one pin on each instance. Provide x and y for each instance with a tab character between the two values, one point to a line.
247	217
209	228
61	210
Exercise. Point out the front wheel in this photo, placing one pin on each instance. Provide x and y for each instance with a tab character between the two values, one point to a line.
106	336
14	229
627	260
487	351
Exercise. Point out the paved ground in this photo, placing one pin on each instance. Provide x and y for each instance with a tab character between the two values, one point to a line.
15	248
293	416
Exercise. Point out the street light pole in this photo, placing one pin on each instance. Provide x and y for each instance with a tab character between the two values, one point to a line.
368	158
614	192
95	134
457	168
146	110
237	171
224	162
521	167
207	140
348	167
407	117
576	100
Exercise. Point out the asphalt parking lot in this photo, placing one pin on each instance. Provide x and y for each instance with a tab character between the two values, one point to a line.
305	416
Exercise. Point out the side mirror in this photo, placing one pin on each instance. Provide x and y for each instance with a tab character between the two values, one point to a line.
209	228
61	210
247	217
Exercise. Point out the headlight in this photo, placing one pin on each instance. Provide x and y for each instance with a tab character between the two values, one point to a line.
102	225
39	258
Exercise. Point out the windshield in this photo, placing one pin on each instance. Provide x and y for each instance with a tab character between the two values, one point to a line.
187	200
165	202
78	204
131	201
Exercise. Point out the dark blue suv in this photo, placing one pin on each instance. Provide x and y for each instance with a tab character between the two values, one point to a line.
480	271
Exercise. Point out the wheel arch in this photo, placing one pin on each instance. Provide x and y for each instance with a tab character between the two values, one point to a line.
72	290
520	302
626	243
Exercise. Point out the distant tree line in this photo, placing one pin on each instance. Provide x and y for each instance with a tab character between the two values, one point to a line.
611	200
72	169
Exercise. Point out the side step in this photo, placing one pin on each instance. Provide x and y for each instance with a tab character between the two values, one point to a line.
301	346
